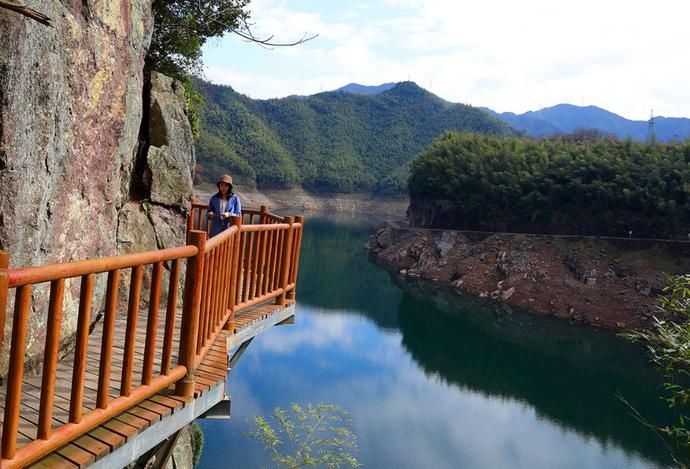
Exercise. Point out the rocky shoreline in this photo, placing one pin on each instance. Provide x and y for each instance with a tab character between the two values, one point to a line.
609	284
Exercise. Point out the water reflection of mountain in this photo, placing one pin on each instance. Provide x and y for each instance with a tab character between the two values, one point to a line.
340	276
570	375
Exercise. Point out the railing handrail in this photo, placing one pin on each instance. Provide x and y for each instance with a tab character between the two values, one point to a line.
245	265
212	243
67	432
269	227
200	206
50	272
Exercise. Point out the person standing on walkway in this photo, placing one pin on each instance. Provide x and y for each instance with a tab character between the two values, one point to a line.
223	205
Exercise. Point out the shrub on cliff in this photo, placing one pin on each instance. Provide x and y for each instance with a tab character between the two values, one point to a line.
197	442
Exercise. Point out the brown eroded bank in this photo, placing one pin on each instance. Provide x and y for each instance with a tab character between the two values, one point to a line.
612	284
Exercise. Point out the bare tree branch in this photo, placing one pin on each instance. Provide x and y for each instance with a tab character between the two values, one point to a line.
28	12
266	42
637	416
245	30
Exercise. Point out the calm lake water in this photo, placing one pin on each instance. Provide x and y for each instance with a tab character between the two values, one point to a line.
433	380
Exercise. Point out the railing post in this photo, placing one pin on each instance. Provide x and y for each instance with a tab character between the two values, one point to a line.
15	375
235	267
285	262
295	257
4	291
264	214
190	221
190	314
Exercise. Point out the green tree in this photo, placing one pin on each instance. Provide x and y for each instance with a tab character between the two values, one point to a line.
568	184
316	435
668	343
182	27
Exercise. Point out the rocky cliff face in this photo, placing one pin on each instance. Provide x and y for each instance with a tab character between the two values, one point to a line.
600	283
429	213
161	185
183	454
70	116
187	448
154	217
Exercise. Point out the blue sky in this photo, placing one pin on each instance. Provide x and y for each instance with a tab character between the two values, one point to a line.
627	56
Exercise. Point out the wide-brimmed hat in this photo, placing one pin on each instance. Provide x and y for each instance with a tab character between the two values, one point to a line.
226	178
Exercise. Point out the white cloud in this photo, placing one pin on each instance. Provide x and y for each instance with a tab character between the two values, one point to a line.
314	331
628	57
402	416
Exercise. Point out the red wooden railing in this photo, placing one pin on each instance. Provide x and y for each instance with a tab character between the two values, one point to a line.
260	253
197	218
246	265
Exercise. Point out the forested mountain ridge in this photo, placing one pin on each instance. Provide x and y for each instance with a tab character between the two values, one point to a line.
567	118
332	141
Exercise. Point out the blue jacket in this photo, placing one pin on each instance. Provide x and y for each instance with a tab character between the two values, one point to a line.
218	225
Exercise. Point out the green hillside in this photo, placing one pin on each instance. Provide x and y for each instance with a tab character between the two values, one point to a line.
333	141
570	184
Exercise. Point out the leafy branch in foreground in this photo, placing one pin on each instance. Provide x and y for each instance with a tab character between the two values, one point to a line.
315	435
668	343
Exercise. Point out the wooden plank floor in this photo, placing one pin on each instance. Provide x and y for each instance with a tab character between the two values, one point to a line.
111	435
31	389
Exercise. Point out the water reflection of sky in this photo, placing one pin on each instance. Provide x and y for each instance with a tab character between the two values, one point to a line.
403	418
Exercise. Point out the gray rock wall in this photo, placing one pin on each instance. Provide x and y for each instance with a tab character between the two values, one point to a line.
70	116
170	159
183	454
158	221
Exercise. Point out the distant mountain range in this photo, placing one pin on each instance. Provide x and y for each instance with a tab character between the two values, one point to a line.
354	139
364	89
363	138
567	118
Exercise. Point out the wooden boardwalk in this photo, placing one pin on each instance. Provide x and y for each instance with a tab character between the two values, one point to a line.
111	435
149	365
